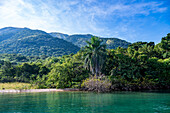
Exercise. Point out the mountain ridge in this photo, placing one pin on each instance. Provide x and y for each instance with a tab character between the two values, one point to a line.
33	42
38	42
80	40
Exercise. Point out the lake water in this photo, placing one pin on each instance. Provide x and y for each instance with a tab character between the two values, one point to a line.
84	102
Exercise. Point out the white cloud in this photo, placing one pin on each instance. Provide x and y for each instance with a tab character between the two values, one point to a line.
74	16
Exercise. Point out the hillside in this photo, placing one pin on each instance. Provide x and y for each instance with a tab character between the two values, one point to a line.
8	32
33	42
36	42
80	40
59	35
18	58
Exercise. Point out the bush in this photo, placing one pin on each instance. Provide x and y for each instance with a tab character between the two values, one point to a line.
97	84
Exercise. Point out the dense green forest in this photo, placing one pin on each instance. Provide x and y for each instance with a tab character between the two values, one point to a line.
18	58
36	42
143	65
33	43
80	40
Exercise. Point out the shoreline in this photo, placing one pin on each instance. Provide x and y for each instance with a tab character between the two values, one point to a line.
36	90
69	90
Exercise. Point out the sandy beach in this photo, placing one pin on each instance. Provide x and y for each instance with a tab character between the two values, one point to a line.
36	90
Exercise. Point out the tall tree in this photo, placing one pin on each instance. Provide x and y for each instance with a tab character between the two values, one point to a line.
95	55
165	44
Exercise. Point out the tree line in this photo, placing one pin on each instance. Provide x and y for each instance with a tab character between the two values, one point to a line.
143	65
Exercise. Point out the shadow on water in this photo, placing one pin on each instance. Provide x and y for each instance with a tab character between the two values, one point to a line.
156	91
142	91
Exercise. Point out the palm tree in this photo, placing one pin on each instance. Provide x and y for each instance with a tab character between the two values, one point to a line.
95	55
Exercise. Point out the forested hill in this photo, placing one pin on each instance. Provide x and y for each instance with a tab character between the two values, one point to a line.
8	32
36	42
33	42
80	40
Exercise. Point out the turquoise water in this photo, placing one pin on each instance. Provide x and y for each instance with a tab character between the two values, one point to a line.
83	102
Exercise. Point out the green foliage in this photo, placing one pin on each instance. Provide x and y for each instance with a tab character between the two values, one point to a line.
141	62
140	66
162	49
95	55
19	59
67	73
33	43
165	44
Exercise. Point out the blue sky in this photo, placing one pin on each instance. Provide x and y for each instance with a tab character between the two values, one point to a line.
131	20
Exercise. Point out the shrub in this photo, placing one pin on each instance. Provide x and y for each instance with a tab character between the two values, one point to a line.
97	84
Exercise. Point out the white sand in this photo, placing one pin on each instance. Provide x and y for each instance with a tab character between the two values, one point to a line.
36	90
